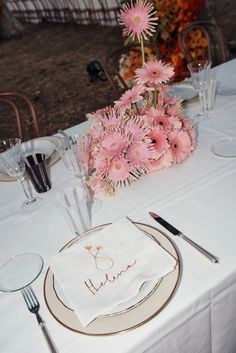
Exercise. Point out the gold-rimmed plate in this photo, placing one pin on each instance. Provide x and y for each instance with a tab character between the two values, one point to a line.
37	145
124	320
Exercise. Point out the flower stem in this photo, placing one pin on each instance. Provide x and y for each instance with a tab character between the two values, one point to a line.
155	98
142	50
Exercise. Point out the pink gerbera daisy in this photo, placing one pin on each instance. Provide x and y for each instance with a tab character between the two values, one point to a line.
136	128
180	145
112	119
138	19
138	153
175	122
188	126
159	139
165	161
113	143
154	72
131	96
100	185
119	170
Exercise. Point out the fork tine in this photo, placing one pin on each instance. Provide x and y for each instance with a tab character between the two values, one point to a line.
25	297
32	296
29	297
32	304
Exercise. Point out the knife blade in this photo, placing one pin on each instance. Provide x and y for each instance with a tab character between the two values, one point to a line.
177	232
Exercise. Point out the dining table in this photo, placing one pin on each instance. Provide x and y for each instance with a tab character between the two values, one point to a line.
197	196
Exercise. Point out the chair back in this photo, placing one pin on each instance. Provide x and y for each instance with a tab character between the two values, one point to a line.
120	66
11	98
203	40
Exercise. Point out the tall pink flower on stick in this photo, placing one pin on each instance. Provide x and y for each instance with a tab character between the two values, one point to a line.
139	21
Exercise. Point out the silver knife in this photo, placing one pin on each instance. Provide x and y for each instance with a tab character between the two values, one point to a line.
177	232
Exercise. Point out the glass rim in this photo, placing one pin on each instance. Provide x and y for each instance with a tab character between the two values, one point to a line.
8	260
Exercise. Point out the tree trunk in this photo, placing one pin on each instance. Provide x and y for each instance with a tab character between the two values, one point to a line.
9	25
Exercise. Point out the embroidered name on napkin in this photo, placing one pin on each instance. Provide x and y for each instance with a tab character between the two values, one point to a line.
108	268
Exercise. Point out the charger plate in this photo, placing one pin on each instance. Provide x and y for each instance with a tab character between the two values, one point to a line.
37	145
125	320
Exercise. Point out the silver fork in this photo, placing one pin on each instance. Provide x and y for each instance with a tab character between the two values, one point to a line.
33	306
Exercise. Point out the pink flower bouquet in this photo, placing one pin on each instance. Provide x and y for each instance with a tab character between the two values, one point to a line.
145	130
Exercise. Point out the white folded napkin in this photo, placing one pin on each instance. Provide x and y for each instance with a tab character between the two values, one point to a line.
108	268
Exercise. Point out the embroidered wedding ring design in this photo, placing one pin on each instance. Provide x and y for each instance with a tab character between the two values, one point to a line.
102	263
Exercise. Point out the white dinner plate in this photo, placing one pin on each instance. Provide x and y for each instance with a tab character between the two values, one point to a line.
225	148
151	301
38	145
184	90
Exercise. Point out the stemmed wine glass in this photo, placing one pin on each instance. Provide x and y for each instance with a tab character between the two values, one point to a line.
12	160
200	73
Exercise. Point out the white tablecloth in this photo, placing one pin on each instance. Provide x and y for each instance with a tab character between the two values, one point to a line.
198	197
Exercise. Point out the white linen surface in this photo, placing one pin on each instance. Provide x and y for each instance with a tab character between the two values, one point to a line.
98	273
198	197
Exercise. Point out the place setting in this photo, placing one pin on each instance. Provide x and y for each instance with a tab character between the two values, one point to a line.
101	283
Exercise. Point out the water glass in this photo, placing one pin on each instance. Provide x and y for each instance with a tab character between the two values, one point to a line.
75	206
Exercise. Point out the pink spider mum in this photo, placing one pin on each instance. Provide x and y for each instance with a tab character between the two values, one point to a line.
130	97
180	145
138	19
154	72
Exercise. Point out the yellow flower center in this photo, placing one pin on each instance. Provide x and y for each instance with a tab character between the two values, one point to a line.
137	19
118	166
114	145
136	153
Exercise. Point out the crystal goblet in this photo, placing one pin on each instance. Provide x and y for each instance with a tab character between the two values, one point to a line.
200	73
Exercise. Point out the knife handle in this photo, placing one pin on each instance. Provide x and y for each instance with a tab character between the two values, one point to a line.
203	251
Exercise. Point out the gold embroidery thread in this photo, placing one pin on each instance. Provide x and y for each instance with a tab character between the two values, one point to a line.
102	263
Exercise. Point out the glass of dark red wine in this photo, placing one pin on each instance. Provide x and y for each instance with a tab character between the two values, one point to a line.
36	169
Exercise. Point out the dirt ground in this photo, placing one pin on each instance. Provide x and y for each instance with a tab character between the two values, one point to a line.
48	63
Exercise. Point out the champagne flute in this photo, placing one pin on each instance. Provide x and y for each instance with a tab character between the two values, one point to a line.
200	73
12	160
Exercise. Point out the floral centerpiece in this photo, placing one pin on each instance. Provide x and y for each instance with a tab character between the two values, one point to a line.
145	129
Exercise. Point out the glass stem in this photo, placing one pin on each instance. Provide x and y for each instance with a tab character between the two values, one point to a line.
28	193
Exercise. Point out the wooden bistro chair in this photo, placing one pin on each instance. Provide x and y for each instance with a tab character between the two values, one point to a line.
203	40
116	61
11	99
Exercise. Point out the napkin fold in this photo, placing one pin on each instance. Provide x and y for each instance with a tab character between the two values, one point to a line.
108	268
